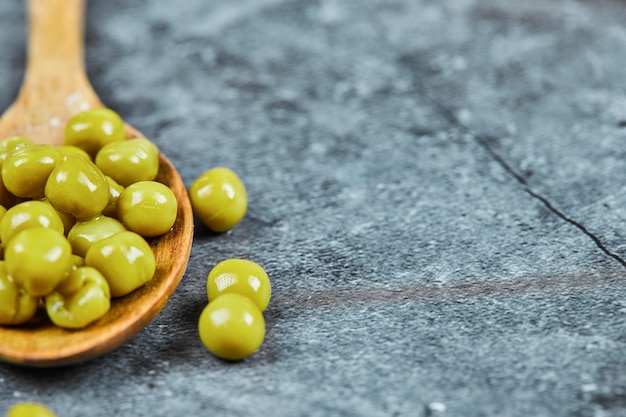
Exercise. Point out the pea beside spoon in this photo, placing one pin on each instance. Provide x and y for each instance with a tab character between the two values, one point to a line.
56	87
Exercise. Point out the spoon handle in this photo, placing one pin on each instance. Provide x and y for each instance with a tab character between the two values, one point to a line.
55	43
55	85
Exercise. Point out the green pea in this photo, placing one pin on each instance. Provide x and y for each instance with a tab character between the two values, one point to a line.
13	142
67	219
72	282
7	145
231	326
6	198
25	170
77	261
16	305
148	208
129	161
92	129
29	410
66	150
89	300
84	234
240	276
76	186
27	215
114	194
125	259
38	259
219	199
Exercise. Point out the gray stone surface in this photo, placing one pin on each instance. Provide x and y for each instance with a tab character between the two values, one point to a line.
435	189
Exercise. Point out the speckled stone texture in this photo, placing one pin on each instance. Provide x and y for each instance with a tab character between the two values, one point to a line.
436	189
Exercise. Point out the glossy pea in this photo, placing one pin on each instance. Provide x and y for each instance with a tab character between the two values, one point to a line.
93	129
85	233
67	219
6	198
66	150
26	215
38	259
115	190
125	259
7	145
72	282
25	170
77	187
148	208
231	326
11	143
85	301
240	276
16	305
218	198
129	161
77	261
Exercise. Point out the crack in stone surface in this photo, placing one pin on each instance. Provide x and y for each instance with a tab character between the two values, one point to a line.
483	142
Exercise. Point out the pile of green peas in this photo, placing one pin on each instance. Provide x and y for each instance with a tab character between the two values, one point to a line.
73	223
74	220
66	242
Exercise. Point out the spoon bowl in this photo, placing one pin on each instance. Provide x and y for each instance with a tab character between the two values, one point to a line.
55	88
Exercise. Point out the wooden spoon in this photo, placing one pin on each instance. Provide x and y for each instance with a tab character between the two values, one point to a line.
56	87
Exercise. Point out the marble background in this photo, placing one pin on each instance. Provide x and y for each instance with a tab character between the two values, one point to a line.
436	189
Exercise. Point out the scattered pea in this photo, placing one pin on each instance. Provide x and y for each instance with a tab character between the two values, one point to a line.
218	198
240	276
29	410
231	326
